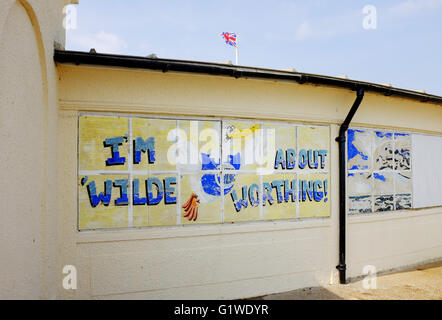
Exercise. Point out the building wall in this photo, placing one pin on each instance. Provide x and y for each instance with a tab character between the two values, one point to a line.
231	260
39	106
28	106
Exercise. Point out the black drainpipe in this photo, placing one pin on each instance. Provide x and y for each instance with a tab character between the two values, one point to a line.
342	173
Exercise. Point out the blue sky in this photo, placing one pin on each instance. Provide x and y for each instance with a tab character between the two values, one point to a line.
323	37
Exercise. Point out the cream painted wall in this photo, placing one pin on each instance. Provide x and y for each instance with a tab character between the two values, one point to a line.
129	90
244	259
28	104
392	240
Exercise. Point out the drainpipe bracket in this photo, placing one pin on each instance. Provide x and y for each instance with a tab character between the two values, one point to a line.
341	138
341	267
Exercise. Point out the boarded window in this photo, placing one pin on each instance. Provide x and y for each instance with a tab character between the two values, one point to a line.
139	171
379	171
427	171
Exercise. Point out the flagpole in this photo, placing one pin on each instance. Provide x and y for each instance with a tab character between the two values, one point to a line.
236	49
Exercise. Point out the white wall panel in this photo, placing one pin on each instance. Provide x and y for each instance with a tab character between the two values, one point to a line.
427	170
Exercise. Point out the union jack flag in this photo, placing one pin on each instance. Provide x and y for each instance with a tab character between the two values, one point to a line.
230	38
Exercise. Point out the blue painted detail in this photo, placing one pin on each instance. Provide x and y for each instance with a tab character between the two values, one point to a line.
401	134
123	199
325	190
267	194
207	162
169	190
240	203
351	174
381	134
291	158
317	195
290	191
211	182
322	154
302	161
352	151
379	177
278	184
404	153
105	198
151	199
306	189
235	161
136	194
84	180
148	146
254	191
279	159
114	143
312	156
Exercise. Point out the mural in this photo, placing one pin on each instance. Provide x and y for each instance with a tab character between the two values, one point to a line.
379	171
137	172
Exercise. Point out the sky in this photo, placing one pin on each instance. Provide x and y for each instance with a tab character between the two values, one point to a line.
403	47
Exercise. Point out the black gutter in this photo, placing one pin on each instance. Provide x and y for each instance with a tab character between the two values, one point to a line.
342	175
219	69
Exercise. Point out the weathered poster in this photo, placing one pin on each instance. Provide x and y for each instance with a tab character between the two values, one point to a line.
137	172
379	170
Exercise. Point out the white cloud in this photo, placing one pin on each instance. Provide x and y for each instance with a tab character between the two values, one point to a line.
303	31
409	7
329	26
103	42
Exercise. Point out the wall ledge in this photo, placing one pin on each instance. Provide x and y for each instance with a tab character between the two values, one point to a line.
393	215
153	233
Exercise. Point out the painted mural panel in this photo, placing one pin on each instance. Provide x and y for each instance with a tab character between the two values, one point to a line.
103	143
280	191
198	145
383	191
360	188
386	184
402	153
149	153
103	201
138	171
383	203
154	200
359	183
359	149
314	195
383	183
403	188
383	150
244	200
285	144
242	143
313	148
402	201
360	204
201	199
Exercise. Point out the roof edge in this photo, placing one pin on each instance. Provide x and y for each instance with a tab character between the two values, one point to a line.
219	69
